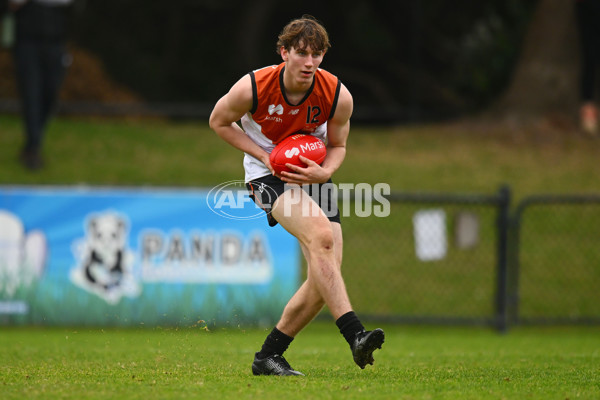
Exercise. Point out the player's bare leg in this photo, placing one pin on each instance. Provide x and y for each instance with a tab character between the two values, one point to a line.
307	302
321	243
296	212
316	233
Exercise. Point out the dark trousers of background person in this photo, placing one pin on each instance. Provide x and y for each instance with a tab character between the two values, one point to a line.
588	23
40	67
41	30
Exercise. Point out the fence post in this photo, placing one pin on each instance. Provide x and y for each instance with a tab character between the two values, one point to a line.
503	224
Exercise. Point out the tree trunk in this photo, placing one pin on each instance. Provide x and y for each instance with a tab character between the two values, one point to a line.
545	80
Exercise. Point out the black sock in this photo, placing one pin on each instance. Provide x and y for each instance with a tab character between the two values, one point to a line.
349	326
276	342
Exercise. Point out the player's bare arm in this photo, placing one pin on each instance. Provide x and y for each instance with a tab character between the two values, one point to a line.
230	109
338	129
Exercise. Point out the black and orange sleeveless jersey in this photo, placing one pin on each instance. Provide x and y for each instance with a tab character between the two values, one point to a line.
274	114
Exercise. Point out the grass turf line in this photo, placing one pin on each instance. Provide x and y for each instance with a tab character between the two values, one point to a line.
415	363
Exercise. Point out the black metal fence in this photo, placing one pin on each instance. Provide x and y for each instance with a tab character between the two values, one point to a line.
471	259
555	261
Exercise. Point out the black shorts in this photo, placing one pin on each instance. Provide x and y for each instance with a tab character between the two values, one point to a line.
265	190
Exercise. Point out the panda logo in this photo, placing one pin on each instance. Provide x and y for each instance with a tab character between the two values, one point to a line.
105	264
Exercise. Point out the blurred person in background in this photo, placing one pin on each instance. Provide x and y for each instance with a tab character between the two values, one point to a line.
588	23
41	59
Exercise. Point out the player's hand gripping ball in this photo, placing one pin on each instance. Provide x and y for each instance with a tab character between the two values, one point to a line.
289	150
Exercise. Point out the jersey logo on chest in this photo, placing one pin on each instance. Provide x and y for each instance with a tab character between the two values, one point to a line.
278	109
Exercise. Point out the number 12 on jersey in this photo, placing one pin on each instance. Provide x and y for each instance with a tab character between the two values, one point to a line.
312	114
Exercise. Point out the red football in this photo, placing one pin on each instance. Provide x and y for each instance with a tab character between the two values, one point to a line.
292	147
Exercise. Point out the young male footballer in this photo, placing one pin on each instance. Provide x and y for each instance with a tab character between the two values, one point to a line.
273	103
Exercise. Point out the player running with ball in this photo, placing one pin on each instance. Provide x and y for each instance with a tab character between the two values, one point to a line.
273	103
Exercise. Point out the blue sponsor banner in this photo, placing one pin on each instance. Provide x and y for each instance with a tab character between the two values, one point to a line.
112	256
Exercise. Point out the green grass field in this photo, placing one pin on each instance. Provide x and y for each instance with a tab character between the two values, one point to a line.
415	363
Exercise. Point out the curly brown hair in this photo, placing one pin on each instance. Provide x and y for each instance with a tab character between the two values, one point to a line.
307	30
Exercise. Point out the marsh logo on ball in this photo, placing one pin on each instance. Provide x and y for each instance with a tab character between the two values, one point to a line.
292	152
289	150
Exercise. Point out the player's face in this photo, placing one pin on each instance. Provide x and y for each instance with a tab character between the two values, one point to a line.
302	63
